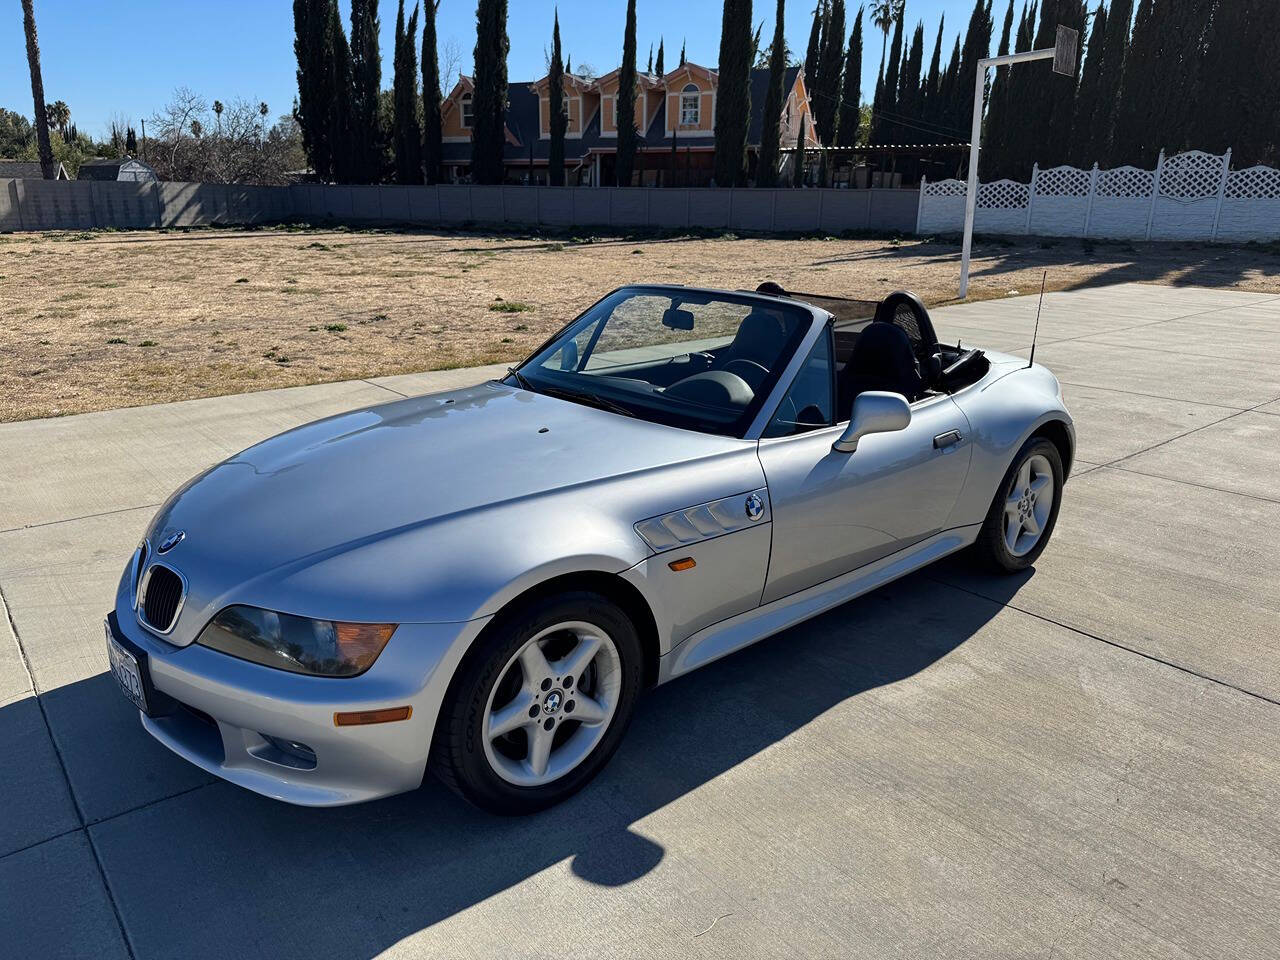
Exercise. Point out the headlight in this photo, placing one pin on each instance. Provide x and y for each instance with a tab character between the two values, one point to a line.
317	647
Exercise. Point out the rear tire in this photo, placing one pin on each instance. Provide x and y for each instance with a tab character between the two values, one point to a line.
1024	510
540	704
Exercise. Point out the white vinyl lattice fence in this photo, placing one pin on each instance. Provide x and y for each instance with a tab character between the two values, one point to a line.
1190	196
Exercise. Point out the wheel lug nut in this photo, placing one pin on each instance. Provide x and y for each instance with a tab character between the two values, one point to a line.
546	684
549	723
568	682
533	711
568	707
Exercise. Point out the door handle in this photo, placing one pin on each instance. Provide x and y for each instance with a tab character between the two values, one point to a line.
948	439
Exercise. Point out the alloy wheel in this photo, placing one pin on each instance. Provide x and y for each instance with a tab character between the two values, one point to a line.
1029	504
552	704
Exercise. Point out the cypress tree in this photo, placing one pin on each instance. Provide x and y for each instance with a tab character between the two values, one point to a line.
626	109
1063	90
1047	102
1087	140
408	131
851	91
659	66
889	96
995	136
814	50
876	126
1240	84
682	57
432	147
977	45
929	94
366	79
649	68
1013	155
1115	49
830	76
767	173
947	94
489	102
909	87
310	19
336	91
1158	94
559	121
798	173
733	99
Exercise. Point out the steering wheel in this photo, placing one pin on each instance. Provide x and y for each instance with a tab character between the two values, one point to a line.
750	371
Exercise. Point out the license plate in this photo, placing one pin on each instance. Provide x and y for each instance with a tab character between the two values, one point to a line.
124	667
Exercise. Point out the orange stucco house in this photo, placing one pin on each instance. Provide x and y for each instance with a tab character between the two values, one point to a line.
675	117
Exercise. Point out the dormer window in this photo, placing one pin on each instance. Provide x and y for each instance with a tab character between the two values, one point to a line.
690	106
467	114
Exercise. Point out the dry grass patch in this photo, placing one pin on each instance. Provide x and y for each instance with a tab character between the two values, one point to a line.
96	321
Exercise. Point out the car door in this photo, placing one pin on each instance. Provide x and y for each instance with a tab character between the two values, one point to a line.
834	512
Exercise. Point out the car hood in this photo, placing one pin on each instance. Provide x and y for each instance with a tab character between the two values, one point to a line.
340	484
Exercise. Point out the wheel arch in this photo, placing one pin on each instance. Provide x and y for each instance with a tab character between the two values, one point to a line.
610	585
616	589
1058	433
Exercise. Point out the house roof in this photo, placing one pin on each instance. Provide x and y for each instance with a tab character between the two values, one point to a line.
109	168
28	170
760	90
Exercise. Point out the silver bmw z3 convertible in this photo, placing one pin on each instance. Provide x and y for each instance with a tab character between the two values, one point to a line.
482	582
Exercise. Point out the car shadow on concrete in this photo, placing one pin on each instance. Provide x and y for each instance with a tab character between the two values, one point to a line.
211	870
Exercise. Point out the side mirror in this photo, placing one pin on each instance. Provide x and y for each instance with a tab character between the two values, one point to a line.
873	412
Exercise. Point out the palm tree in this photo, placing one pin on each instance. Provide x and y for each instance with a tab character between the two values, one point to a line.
59	116
883	15
37	91
217	112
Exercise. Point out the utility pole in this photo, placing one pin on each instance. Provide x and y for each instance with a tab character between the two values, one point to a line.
1063	54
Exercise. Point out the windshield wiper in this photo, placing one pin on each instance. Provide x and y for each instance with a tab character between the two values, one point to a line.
521	379
589	399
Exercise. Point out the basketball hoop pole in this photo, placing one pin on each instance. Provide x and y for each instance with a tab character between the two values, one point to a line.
1064	57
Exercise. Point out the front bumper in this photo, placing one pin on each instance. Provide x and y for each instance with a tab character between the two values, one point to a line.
231	717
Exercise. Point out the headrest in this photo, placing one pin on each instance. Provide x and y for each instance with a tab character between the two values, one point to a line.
760	337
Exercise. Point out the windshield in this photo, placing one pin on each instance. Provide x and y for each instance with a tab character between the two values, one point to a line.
703	361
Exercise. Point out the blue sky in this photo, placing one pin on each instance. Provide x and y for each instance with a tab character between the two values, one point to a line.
125	58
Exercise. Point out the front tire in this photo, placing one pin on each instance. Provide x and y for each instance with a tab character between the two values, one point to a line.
1024	510
540	704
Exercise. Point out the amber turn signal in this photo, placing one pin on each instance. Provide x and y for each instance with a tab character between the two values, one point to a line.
686	563
359	717
360	643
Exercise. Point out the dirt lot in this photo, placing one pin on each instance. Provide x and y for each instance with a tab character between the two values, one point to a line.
103	320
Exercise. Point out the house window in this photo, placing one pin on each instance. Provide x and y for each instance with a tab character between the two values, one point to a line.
467	114
690	106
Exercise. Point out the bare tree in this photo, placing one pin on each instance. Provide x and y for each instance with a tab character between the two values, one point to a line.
450	60
174	118
241	149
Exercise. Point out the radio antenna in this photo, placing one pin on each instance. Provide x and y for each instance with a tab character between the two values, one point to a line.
1039	305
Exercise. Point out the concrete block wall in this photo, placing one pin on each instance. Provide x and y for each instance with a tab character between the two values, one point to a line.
84	205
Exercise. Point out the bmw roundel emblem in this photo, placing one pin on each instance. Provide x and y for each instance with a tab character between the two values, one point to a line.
755	507
171	541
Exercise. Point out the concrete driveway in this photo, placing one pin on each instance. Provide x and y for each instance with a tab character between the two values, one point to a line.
1082	761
